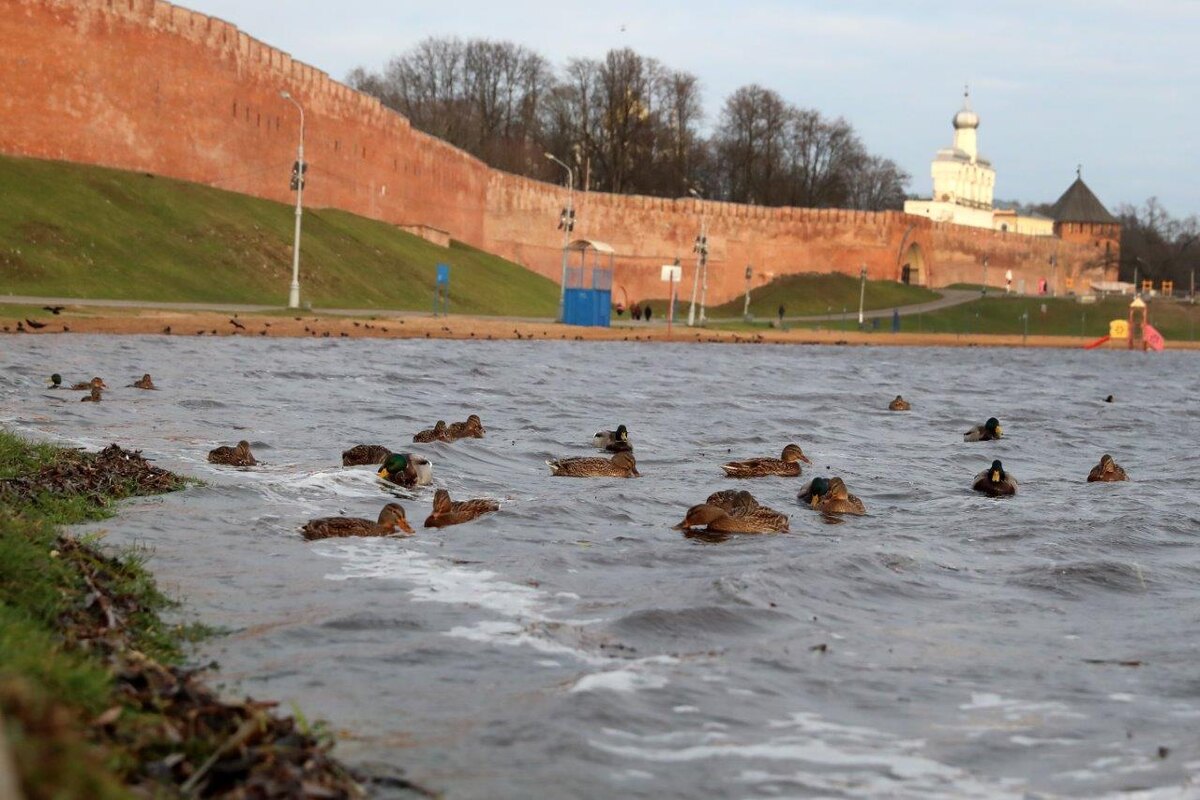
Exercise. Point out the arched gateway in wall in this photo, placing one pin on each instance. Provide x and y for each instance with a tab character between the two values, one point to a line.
912	266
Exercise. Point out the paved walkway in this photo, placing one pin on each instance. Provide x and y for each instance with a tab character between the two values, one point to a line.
950	297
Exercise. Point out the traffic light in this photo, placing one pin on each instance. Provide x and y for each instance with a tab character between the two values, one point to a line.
298	172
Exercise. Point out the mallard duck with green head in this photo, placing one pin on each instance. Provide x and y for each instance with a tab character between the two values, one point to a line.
787	465
471	429
899	404
239	456
437	433
450	512
406	469
1107	470
813	491
985	432
55	382
391	521
838	500
715	519
605	440
365	454
621	465
995	482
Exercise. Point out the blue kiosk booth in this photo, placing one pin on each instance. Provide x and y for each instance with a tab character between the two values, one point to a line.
587	283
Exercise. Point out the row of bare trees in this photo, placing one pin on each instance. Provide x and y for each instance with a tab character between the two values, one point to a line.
628	124
1158	245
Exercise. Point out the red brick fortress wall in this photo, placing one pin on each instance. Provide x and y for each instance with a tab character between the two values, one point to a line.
149	86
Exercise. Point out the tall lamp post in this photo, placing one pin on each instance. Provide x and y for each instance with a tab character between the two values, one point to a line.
983	293
298	184
566	221
700	248
862	292
746	308
1054	276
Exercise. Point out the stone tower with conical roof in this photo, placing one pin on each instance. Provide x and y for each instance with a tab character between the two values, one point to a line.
1080	217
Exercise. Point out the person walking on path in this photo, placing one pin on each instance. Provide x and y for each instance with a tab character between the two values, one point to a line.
781	312
646	312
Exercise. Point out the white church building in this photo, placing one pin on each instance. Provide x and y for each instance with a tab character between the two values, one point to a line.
964	182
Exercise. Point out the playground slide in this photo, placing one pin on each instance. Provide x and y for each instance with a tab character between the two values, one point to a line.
1097	343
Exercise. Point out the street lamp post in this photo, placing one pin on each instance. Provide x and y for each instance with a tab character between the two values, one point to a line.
298	184
566	221
985	266
746	308
862	292
1136	263
700	248
1054	276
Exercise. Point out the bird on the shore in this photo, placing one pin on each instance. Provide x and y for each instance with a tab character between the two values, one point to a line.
93	397
66	329
20	327
55	310
437	433
450	512
812	493
621	465
995	482
392	520
985	432
55	382
365	454
838	500
788	464
167	330
472	428
143	382
715	519
899	404
613	441
1107	470
33	323
237	324
94	383
406	469
239	456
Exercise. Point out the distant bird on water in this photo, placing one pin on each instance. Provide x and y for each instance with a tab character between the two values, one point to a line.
788	464
239	456
985	432
899	404
995	482
1107	470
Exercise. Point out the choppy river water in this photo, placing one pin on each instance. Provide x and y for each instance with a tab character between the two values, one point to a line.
573	645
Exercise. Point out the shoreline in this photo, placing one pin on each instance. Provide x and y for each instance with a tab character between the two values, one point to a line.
394	325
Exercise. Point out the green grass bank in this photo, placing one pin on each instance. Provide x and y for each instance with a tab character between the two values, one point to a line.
93	702
79	231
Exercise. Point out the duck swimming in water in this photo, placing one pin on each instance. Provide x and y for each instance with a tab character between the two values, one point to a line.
406	469
621	465
391	520
788	464
605	440
471	429
838	500
1107	470
362	454
733	500
448	512
715	519
94	397
437	433
995	482
55	382
985	432
239	456
899	404
94	383
143	382
812	493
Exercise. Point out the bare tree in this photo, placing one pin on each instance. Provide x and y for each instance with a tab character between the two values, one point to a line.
877	185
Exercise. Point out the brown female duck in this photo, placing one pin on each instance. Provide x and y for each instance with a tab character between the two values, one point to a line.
438	433
471	429
733	500
899	404
621	465
144	382
715	519
239	456
362	454
1107	470
448	512
788	464
93	397
838	500
391	520
94	383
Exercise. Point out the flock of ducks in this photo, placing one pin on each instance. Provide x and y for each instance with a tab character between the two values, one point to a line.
724	512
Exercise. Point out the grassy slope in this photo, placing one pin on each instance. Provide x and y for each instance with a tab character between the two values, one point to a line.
80	231
1067	317
810	293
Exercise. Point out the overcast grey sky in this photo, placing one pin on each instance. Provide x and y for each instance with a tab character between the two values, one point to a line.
1109	85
